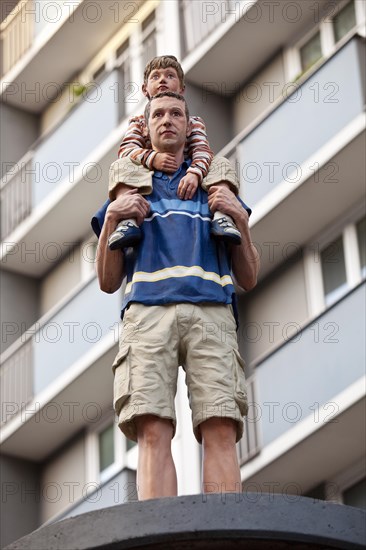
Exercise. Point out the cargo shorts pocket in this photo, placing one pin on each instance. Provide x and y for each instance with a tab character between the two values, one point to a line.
122	378
240	384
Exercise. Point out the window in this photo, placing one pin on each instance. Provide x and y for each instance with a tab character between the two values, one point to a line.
99	73
148	30
311	52
334	271
108	451
130	444
335	262
126	89
321	41
361	240
344	21
122	50
106	447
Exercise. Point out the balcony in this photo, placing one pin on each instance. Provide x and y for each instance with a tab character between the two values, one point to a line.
35	33
307	148
311	400
324	359
55	160
275	150
219	37
47	352
67	171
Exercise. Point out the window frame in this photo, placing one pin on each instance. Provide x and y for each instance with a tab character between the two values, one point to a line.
292	57
346	228
123	458
347	479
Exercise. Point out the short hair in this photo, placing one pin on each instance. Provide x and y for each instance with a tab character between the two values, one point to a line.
164	62
165	94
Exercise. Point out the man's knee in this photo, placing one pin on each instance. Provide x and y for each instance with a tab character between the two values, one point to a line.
219	431
153	431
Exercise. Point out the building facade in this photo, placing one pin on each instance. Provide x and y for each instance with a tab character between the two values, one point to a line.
281	87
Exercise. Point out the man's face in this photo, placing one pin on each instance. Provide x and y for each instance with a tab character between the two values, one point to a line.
162	80
168	125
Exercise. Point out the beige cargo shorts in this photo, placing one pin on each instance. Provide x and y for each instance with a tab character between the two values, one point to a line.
155	341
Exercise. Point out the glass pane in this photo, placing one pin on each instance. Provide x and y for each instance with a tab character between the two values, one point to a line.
149	47
311	52
150	19
130	444
344	21
122	48
361	237
334	271
106	448
356	495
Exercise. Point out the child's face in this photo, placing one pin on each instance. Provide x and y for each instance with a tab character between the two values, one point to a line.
162	80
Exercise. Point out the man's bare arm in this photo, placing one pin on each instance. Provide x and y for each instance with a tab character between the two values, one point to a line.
109	263
245	258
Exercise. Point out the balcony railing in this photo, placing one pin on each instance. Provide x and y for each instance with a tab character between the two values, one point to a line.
200	19
52	345
16	381
17	32
16	195
277	147
58	157
302	378
249	445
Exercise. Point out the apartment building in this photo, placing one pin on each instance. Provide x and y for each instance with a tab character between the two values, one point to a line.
281	87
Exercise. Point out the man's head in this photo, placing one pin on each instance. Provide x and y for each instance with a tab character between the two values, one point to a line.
167	119
163	74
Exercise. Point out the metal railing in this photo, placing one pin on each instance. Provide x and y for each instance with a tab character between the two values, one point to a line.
249	445
16	33
16	381
16	195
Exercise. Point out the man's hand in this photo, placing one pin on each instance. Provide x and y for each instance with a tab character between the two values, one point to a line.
165	162
188	186
130	204
245	258
223	199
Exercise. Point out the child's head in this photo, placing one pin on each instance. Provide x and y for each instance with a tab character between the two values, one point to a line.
162	74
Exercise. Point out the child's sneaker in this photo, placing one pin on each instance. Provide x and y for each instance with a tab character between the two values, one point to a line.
127	233
224	229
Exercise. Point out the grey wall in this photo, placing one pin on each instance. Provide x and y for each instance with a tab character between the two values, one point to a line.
204	104
20	498
19	297
21	132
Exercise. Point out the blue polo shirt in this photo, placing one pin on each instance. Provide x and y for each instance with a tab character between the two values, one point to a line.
177	259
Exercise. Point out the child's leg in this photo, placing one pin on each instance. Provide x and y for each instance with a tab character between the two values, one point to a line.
222	173
123	175
127	232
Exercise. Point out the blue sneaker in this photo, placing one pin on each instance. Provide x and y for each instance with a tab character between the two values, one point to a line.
127	233
224	229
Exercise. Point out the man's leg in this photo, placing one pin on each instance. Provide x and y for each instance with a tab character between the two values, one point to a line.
221	472
156	475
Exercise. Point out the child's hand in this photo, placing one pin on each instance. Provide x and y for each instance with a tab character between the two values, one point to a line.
188	186
165	162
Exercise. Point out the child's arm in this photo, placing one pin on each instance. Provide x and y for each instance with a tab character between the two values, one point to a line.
136	145
198	149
